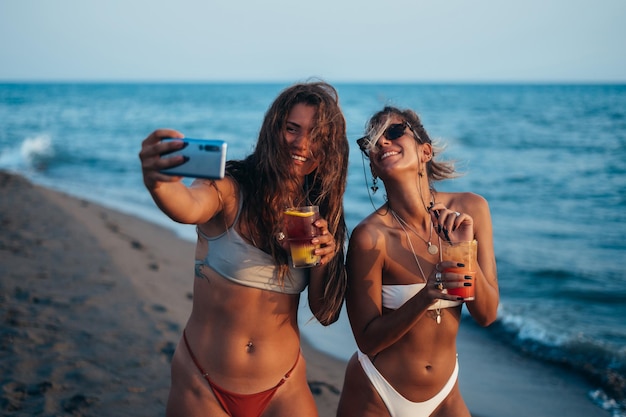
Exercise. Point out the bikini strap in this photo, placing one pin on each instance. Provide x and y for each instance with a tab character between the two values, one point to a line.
193	357
288	374
208	238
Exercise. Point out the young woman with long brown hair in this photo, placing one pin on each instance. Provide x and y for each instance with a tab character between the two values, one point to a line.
239	354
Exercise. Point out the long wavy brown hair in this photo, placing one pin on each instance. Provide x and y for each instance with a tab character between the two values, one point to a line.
267	182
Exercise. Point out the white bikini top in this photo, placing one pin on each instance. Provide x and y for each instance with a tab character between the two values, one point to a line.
242	263
394	296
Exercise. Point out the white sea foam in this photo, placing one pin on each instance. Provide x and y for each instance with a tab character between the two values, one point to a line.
36	151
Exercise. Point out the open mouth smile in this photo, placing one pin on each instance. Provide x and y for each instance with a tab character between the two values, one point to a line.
388	154
298	158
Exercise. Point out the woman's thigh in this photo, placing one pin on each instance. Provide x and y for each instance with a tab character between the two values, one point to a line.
294	397
358	396
190	394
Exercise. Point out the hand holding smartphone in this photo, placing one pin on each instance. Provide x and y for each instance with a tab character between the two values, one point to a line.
204	158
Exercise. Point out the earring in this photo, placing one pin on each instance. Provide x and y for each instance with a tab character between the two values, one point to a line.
374	186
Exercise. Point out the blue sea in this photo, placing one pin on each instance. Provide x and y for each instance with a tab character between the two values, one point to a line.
549	158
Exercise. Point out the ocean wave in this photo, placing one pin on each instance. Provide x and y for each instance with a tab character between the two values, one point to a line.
34	153
602	400
600	363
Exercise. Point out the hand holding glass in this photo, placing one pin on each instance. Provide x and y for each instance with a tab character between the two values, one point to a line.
464	252
300	229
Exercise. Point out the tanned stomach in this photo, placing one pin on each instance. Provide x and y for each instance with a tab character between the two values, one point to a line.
243	337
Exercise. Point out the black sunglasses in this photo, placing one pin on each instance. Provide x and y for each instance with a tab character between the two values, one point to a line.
393	132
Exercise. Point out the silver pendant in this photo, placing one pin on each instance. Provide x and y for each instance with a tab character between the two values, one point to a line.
438	318
432	249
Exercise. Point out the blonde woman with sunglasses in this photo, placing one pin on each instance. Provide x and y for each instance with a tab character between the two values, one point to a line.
404	321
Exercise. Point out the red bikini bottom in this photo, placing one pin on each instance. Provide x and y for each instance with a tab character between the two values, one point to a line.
240	405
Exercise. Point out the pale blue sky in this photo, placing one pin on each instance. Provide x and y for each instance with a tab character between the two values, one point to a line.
290	40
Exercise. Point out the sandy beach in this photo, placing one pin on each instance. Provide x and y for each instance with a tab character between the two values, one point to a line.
93	302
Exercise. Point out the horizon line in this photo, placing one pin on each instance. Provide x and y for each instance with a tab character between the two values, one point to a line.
338	81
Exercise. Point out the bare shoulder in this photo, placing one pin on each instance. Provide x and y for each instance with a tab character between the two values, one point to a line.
367	252
475	205
465	201
223	196
368	232
368	246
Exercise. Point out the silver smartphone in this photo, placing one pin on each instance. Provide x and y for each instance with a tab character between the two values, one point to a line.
205	158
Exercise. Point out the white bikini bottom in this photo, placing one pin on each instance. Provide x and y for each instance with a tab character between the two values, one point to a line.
397	405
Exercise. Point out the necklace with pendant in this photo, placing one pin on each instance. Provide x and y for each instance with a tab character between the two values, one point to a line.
400	222
432	249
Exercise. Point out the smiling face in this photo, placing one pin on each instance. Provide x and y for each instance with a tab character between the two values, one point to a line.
397	148
298	129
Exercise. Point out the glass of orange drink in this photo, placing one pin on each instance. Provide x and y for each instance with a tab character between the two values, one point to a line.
464	252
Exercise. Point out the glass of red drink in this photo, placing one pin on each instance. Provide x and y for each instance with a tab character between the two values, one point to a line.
300	231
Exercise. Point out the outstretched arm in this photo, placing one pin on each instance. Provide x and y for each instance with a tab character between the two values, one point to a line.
190	205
